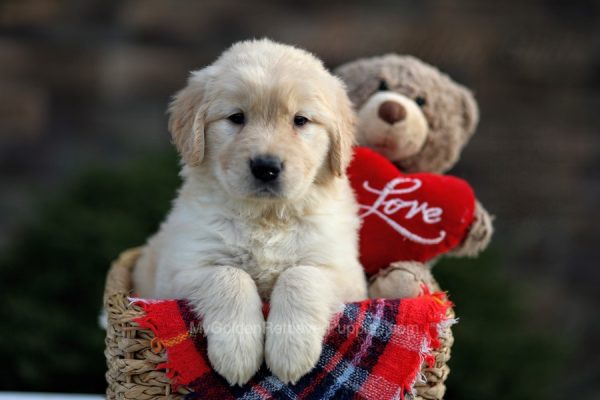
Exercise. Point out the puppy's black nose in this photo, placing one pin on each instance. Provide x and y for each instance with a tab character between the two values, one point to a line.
266	168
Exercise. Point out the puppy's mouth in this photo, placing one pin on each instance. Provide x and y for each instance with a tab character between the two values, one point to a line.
266	191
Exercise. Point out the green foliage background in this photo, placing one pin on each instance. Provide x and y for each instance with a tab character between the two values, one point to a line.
53	278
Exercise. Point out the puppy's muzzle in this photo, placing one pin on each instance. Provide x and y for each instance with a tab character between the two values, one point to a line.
266	168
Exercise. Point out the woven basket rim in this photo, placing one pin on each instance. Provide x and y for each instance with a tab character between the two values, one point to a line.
118	279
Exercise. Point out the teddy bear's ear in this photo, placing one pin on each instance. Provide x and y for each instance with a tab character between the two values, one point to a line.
470	111
186	120
357	76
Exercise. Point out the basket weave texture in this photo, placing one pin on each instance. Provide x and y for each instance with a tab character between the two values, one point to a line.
132	363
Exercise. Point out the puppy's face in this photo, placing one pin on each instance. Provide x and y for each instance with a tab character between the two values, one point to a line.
269	125
266	137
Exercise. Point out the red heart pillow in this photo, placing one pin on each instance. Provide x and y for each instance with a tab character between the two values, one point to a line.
407	217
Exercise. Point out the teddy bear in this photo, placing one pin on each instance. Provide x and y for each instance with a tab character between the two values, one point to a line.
419	119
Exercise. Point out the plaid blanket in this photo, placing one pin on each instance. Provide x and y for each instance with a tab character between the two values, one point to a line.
373	350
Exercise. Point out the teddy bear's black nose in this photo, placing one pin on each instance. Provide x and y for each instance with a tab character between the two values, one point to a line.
391	112
266	168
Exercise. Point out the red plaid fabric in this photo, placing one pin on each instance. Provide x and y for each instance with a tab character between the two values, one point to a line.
373	350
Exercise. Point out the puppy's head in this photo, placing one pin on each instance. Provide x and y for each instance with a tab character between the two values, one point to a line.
265	120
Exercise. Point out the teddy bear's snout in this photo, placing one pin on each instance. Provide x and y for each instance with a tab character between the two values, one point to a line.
391	112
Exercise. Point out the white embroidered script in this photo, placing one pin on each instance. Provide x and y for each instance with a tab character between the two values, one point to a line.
385	206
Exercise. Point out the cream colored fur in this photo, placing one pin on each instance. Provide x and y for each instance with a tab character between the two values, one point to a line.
227	246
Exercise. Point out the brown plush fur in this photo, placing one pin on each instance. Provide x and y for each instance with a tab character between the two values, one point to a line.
451	114
451	111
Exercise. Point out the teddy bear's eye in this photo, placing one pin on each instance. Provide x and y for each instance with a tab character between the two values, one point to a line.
383	86
421	101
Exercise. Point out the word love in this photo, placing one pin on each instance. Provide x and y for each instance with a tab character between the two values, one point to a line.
387	203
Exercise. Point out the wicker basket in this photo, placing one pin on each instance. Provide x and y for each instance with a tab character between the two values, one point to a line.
131	361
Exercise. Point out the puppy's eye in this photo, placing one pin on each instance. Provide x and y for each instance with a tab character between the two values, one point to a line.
299	120
383	86
421	101
237	118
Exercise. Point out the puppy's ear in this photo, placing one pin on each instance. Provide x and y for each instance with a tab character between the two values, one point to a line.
186	120
342	137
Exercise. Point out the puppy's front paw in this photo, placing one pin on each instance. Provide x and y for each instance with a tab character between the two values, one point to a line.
291	352
236	352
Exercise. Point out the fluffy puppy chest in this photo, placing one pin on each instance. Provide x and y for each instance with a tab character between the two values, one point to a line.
264	250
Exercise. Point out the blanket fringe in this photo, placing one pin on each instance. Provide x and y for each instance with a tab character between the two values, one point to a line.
148	322
439	306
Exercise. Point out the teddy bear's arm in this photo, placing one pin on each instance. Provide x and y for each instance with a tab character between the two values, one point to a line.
479	235
402	279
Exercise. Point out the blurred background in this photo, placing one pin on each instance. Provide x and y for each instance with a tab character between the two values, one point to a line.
87	169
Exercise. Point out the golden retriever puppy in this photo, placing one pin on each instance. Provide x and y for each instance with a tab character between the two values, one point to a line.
265	212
